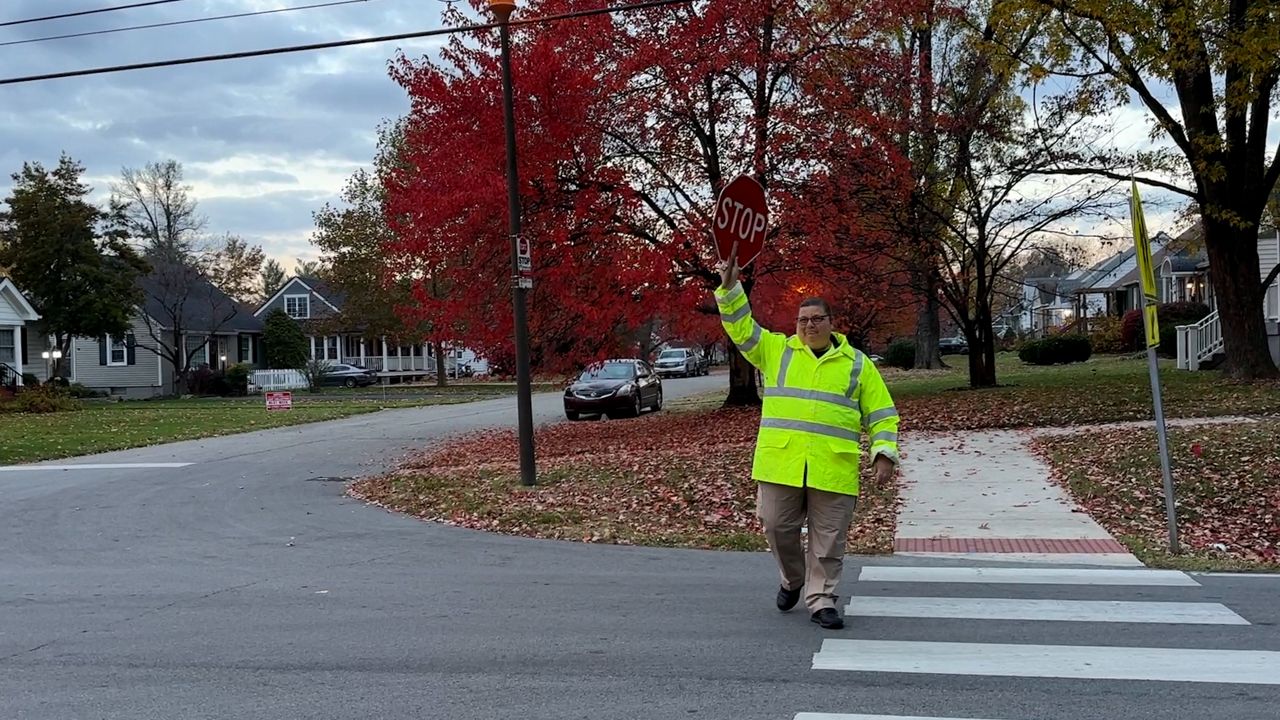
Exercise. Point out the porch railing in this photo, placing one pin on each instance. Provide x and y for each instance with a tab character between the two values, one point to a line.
9	376
393	364
1197	343
263	380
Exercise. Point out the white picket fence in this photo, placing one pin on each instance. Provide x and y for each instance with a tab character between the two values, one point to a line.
264	380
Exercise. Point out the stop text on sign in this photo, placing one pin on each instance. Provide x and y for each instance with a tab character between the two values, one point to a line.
740	220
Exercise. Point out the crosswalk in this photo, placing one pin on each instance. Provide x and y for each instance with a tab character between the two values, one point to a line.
1113	659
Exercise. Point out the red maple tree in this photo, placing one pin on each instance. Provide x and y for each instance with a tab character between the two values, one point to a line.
627	128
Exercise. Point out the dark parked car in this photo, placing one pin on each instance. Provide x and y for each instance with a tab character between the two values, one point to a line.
617	388
349	376
953	346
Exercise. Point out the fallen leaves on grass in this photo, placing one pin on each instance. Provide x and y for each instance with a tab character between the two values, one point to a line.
669	479
1103	390
1226	481
1014	407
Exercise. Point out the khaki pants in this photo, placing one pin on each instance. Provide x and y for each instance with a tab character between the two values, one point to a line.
782	510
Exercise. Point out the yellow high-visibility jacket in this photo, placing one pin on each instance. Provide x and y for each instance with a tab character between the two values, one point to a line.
814	408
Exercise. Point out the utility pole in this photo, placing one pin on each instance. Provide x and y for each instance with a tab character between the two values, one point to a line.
521	260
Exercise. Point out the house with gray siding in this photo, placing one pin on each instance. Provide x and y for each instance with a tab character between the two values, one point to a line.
317	307
214	331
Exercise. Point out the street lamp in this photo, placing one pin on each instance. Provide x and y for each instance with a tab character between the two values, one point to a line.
521	263
55	355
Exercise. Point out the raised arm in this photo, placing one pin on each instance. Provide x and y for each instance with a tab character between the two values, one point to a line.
759	346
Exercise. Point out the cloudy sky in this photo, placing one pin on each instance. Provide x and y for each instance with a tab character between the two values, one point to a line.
264	141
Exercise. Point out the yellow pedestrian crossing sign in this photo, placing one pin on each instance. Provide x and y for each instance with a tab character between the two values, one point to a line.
1146	270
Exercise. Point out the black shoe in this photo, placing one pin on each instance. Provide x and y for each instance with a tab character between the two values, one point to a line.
828	618
787	599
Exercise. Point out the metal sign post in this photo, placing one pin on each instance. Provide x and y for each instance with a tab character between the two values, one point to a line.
1146	270
521	260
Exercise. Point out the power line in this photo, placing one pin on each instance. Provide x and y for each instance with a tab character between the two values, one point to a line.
180	22
338	43
81	13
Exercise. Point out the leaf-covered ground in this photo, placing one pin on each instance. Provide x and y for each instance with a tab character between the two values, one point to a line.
681	477
1102	390
677	479
1226	481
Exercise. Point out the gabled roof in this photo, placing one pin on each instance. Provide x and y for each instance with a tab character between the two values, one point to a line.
1103	268
1187	262
205	308
314	285
1130	278
332	296
18	300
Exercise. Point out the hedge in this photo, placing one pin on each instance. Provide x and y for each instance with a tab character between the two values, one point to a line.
1169	316
1056	350
901	354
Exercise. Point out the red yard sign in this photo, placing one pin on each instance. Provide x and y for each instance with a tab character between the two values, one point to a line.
742	217
279	401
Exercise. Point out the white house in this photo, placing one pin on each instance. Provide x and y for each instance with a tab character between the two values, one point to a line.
17	318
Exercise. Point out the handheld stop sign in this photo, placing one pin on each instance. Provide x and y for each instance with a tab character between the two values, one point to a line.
741	218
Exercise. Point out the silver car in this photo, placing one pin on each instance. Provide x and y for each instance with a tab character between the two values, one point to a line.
680	361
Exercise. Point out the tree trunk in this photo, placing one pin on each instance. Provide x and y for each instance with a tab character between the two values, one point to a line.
441	373
982	365
742	381
1233	265
63	343
979	334
928	329
180	361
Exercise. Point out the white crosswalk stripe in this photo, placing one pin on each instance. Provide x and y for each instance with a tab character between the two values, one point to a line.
1184	613
1096	661
1250	667
1025	576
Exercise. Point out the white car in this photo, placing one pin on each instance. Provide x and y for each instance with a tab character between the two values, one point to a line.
680	361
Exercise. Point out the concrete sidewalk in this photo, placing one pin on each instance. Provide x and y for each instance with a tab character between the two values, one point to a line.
984	495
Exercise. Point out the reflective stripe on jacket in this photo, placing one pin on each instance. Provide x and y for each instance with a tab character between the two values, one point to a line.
814	408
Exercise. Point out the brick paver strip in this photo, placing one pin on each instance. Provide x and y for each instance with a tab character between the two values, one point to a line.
1007	545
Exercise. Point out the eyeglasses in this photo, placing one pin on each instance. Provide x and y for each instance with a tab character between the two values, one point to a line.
812	320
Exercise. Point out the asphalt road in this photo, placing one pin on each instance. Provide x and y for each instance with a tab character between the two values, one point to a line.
245	585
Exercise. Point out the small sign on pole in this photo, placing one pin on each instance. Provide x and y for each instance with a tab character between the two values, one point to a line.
279	400
1146	271
524	254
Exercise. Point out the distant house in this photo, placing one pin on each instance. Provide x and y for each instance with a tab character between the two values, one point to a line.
1182	275
215	330
17	320
317	307
1121	289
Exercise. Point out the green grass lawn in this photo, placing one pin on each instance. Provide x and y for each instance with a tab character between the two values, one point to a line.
1104	389
102	426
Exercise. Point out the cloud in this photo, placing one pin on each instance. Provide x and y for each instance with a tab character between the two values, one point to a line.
264	141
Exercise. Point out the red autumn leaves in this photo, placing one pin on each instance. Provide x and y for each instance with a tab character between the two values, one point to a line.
678	479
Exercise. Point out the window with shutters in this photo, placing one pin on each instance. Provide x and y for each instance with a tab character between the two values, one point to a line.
8	347
246	349
117	352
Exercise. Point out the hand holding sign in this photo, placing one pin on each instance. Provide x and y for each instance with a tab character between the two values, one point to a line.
729	269
741	221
